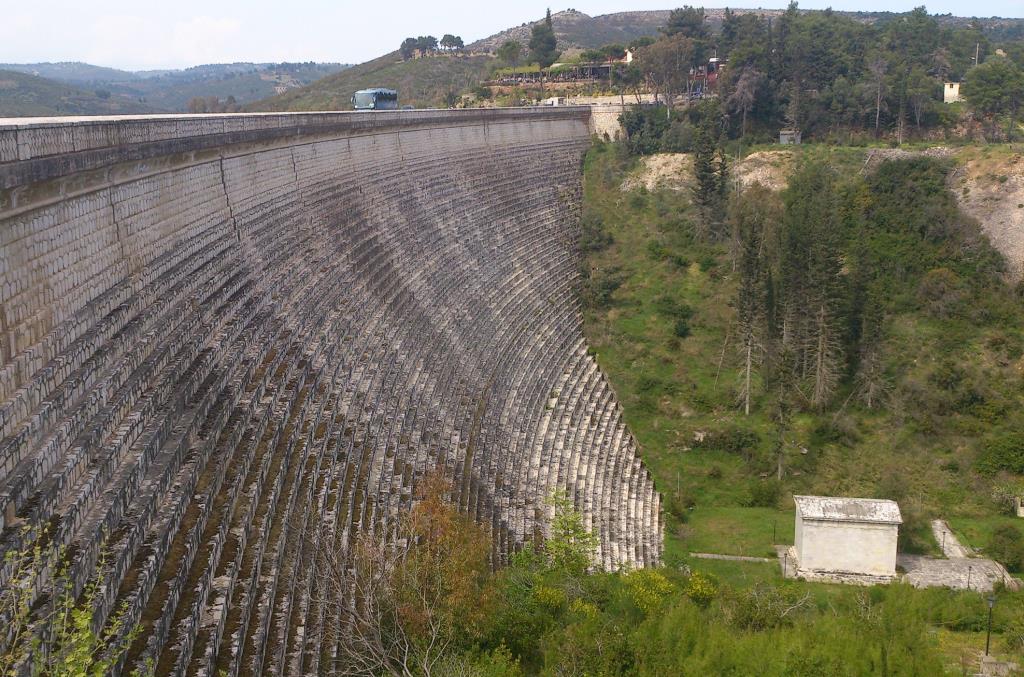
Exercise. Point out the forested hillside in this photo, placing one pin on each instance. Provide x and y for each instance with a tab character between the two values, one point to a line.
829	76
576	29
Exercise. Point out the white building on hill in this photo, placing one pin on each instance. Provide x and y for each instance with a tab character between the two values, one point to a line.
846	536
950	92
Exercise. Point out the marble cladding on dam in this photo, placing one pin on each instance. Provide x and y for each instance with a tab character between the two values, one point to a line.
230	341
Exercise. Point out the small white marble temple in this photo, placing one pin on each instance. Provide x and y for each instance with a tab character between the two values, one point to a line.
839	537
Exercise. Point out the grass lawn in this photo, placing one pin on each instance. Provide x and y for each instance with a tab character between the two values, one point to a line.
963	650
731	530
738	574
976	532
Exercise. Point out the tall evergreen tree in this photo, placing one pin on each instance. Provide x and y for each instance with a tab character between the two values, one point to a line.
811	286
710	172
749	216
543	45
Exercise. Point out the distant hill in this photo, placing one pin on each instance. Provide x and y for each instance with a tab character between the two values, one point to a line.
28	95
246	82
73	72
172	90
420	82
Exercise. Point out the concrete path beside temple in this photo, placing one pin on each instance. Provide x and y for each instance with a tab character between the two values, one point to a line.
730	558
961	570
948	542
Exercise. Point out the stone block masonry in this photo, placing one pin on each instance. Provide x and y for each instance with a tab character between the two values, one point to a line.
229	341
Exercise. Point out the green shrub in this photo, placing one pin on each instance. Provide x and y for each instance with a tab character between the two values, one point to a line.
50	630
1005	452
941	292
1007	546
681	328
1013	633
764	607
656	251
671	307
765	493
701	589
679	137
593	236
731	440
644	127
648	589
599	288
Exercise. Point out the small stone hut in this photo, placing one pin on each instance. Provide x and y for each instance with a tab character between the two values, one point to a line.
950	92
846	535
789	137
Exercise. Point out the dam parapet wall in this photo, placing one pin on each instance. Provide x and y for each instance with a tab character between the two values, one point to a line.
229	342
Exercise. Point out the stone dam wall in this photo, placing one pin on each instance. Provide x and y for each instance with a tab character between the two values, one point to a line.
231	341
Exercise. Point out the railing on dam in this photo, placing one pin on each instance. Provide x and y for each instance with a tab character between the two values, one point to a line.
80	143
228	343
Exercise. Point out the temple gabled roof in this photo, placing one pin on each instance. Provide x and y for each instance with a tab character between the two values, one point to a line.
842	509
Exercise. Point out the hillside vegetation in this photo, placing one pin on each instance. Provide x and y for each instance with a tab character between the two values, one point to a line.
925	351
28	95
420	82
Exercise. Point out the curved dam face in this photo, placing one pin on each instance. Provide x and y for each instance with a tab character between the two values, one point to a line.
230	341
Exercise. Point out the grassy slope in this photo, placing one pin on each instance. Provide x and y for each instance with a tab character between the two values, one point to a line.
420	82
671	388
22	95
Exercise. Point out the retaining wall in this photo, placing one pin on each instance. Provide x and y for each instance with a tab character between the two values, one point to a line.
230	341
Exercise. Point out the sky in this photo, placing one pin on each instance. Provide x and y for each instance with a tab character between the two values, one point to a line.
151	34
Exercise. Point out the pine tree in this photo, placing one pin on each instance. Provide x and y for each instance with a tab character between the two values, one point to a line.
871	384
710	190
543	45
749	217
811	286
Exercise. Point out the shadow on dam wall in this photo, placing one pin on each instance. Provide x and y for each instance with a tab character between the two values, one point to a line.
230	341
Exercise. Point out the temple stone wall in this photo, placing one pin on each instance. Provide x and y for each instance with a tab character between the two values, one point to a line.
846	547
230	341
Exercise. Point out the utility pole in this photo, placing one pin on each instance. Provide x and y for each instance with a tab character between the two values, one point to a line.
988	635
977	52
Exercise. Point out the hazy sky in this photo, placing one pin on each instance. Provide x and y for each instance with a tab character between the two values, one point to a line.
138	34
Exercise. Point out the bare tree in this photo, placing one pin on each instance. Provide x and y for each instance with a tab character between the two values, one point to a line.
398	603
745	93
878	67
